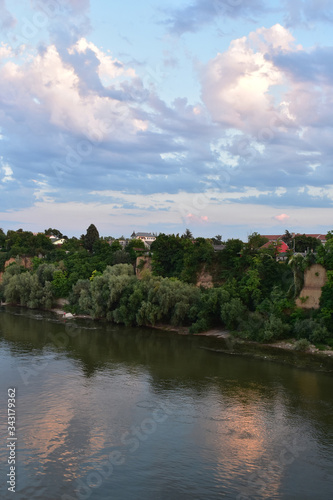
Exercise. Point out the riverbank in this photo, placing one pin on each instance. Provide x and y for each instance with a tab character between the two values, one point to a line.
285	345
288	345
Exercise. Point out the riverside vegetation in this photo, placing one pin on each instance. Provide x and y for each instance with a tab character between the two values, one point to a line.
253	294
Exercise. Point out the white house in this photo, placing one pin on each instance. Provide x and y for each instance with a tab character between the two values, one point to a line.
147	238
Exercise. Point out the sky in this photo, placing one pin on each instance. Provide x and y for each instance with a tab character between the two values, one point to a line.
212	115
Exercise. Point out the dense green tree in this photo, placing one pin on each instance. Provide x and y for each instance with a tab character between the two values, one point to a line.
90	238
288	239
197	254
23	288
134	248
255	241
54	232
168	255
305	243
187	235
2	238
217	240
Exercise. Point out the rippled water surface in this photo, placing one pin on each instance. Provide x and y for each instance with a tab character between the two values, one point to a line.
108	412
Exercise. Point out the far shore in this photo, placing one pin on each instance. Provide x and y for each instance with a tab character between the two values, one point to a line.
218	333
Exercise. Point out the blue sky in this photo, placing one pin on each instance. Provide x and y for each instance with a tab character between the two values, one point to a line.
160	116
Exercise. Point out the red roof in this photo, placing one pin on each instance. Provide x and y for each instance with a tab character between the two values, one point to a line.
281	246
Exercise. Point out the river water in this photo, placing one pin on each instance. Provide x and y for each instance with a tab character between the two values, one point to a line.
108	412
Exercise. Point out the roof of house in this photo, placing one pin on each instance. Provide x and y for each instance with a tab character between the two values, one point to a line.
321	237
272	237
281	247
145	234
275	237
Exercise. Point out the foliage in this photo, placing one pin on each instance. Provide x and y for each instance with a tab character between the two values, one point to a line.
22	287
253	294
197	254
134	248
302	345
26	243
54	232
288	239
255	241
305	243
167	255
91	236
187	235
233	313
313	330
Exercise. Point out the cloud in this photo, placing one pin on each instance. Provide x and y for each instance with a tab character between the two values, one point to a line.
197	219
7	21
7	173
307	12
239	219
236	84
281	217
77	122
200	12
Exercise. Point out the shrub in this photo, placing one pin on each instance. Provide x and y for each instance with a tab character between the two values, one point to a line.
302	345
310	329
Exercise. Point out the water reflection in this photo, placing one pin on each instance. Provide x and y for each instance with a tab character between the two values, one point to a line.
229	426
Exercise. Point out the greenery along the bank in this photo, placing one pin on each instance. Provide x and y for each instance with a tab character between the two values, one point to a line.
253	293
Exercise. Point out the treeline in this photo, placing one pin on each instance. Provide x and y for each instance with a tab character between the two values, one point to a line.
253	294
117	295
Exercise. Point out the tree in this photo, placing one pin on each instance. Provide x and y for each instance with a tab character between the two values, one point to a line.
54	232
304	243
92	235
187	235
217	240
168	255
255	240
132	248
288	239
2	238
297	265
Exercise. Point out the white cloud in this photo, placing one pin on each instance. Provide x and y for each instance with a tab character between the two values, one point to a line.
112	218
109	68
6	171
237	84
47	80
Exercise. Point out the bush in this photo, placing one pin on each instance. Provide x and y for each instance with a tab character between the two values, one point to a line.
302	345
313	330
275	328
232	313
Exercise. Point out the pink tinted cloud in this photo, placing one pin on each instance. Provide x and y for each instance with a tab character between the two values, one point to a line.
281	217
197	219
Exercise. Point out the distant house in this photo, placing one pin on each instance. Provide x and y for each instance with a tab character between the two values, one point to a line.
273	238
280	246
321	237
122	242
59	242
218	248
147	238
55	240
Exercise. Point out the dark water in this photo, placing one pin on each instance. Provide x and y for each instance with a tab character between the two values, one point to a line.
108	412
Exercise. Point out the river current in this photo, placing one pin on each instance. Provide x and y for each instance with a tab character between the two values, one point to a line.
108	412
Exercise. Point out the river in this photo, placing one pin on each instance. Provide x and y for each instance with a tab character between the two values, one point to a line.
109	412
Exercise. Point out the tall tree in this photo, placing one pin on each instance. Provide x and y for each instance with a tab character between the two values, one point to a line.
217	240
54	232
187	235
255	240
288	238
92	235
